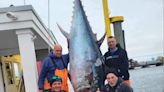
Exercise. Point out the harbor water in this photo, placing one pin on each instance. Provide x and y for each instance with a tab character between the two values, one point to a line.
149	79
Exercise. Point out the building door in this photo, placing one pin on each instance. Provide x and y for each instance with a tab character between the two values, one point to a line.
9	76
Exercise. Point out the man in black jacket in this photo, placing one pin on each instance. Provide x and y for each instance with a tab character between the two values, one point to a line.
115	84
117	58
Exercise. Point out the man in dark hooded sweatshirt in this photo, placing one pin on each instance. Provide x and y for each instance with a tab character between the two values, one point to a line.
117	58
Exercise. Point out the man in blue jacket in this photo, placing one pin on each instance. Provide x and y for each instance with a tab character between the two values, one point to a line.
54	64
117	58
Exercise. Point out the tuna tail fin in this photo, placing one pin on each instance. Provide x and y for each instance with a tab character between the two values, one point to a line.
63	32
101	40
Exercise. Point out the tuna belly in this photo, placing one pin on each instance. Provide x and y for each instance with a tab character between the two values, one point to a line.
82	77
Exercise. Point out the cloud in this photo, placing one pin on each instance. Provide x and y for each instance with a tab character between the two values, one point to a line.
143	21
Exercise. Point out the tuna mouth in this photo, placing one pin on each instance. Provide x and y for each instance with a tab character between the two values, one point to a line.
83	88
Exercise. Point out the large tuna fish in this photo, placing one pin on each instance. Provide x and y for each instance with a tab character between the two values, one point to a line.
84	52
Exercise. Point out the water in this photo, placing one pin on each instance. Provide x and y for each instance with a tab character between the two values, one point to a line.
150	79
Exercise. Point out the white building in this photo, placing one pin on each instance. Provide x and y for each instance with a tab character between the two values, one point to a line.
22	32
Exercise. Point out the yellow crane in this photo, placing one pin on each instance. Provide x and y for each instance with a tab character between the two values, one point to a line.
107	18
117	26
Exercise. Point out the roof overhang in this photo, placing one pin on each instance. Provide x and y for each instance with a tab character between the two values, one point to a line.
26	18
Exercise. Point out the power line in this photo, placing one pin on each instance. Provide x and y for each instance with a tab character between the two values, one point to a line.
24	2
49	14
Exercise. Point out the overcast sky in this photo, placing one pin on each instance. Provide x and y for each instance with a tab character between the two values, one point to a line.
143	25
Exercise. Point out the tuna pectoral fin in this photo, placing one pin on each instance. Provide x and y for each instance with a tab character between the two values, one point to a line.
63	32
99	73
101	40
98	62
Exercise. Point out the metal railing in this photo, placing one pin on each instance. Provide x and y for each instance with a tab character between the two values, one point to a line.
21	86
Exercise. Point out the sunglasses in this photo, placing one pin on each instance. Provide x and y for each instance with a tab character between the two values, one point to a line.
56	77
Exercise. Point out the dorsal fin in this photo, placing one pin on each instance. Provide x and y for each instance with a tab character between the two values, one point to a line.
79	14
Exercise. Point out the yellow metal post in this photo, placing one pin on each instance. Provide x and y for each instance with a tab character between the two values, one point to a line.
106	18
